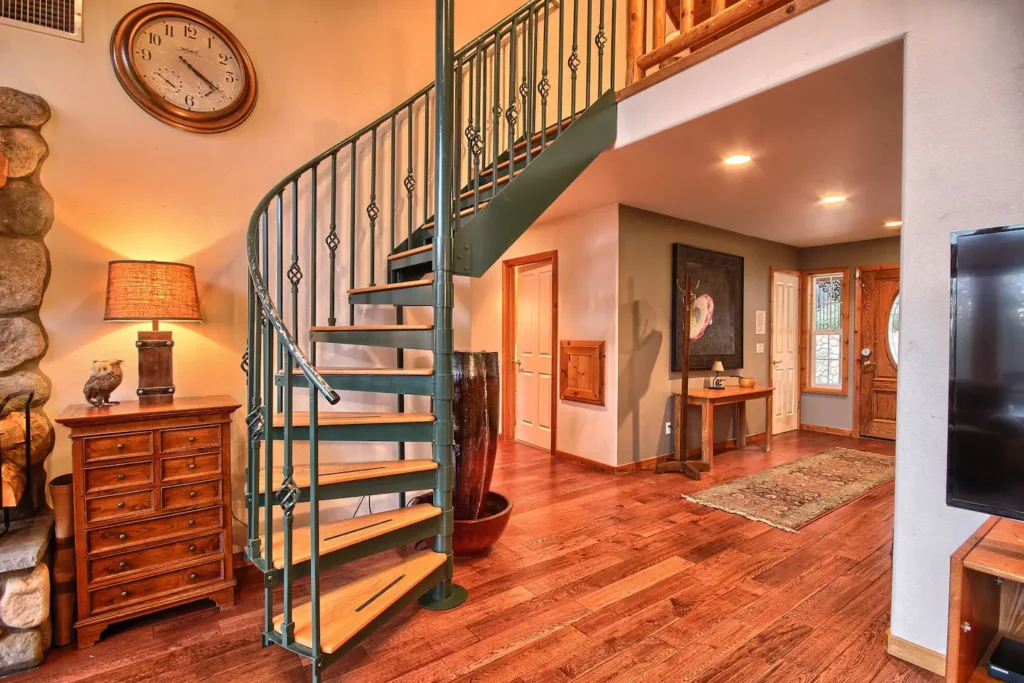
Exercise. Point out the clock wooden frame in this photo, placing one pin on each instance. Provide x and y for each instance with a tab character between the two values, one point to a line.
154	105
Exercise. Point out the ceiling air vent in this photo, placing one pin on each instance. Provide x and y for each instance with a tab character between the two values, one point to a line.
62	18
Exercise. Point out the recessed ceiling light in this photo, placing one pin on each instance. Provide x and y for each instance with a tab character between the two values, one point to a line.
833	199
893	224
737	160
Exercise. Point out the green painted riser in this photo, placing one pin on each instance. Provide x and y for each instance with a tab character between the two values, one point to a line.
417	432
414	260
392	339
413	481
410	296
417	385
395	539
414	594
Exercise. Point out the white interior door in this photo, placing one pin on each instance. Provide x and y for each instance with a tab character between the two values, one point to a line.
534	358
785	351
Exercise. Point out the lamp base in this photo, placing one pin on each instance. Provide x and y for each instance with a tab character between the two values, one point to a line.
156	368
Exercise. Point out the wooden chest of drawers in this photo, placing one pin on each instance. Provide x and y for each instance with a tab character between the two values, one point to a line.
152	508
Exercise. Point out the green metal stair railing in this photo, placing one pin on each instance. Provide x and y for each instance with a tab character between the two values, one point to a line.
534	82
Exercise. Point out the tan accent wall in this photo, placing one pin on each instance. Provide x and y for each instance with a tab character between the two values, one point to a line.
645	322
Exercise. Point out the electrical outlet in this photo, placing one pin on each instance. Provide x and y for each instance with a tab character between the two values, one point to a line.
760	347
668	428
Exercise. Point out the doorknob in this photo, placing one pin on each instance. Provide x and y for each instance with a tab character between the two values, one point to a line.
776	363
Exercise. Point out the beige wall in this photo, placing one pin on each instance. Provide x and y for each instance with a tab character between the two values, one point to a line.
127	186
837	411
588	251
645	322
963	152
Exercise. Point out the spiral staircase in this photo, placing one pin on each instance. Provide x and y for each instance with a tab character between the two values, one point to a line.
514	117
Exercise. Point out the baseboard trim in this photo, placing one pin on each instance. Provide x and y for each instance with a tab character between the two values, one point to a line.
826	430
918	655
647	464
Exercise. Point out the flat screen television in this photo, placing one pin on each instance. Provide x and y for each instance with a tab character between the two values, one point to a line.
985	448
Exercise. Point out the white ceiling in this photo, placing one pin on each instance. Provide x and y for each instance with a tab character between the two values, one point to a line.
838	130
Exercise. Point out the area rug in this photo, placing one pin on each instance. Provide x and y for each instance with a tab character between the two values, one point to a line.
792	495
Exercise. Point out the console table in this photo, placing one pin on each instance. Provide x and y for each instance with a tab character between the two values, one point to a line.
707	399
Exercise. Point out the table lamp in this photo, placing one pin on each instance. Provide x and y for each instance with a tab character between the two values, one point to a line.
155	291
717	382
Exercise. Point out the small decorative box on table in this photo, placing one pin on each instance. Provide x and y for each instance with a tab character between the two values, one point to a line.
152	507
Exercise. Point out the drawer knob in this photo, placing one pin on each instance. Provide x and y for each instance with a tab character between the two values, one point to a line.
120	505
122	537
191	439
191	465
191	494
193	576
120	446
124	594
122	564
191	522
120	477
192	548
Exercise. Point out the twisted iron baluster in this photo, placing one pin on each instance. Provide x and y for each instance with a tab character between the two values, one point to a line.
512	115
373	211
574	57
544	87
332	241
352	230
410	179
601	41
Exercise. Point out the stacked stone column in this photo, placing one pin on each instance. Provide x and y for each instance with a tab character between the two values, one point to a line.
26	213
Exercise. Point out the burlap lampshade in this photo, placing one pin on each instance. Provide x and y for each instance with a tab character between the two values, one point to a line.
151	290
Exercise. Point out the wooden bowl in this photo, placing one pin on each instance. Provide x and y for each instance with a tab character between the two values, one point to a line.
747	382
477	536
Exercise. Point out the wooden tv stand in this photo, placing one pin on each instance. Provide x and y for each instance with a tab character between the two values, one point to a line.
986	598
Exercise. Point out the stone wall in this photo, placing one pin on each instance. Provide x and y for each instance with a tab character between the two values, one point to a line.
26	213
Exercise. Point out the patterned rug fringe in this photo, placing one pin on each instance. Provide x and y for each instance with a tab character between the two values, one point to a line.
725	508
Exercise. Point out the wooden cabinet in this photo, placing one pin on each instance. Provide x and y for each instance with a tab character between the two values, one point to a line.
152	508
986	598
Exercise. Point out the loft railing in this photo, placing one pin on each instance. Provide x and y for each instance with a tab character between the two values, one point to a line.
667	36
331	224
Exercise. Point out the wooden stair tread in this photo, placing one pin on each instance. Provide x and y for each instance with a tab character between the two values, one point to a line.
395	372
410	252
371	328
342	473
340	419
349	532
345	611
429	280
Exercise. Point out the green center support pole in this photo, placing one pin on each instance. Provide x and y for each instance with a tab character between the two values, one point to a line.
445	595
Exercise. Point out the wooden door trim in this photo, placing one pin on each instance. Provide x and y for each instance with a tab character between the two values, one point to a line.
800	334
508	342
857	329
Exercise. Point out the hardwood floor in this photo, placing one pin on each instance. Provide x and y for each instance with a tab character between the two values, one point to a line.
600	578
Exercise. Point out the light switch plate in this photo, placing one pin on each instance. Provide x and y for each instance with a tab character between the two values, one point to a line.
760	347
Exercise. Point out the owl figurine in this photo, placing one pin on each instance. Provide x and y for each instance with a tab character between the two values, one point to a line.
106	376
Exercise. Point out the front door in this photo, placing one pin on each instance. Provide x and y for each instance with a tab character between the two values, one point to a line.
785	351
878	315
534	359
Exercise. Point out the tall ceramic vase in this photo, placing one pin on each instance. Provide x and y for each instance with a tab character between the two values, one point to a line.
475	417
62	495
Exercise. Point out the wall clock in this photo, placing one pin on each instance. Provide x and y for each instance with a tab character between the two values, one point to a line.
183	67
